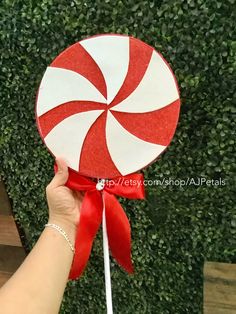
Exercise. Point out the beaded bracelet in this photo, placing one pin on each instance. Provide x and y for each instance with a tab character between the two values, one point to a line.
63	233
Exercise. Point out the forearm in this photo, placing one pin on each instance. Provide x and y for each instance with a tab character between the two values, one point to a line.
38	285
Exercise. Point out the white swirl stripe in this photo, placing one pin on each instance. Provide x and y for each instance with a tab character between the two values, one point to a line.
128	152
156	90
66	138
111	53
59	86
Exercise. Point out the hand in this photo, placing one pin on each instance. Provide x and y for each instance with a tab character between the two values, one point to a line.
64	204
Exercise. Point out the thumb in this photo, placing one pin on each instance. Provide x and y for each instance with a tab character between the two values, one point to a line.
62	174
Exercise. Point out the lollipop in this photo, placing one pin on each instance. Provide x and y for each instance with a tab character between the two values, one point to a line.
109	105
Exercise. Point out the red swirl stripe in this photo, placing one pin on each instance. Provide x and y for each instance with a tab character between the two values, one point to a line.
136	70
51	118
77	59
95	157
155	127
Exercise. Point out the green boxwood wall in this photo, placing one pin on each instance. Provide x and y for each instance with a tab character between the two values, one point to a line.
177	228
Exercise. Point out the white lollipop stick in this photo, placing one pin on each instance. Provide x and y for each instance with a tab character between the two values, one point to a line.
99	187
106	264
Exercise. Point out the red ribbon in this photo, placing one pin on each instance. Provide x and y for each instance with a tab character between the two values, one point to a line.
118	227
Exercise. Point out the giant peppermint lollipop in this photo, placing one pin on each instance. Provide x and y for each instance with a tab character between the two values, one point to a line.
108	105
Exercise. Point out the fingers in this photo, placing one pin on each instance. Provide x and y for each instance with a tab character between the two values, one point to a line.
62	174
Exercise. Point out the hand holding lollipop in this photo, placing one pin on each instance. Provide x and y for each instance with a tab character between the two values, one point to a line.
109	105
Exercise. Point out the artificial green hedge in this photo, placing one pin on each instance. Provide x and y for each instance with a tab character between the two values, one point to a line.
177	228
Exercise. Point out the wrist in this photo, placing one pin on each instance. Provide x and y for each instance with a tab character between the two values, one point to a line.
65	224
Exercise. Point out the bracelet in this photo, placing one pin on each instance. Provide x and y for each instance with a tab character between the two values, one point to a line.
63	233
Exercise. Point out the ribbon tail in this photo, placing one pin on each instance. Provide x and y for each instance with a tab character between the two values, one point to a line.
90	220
118	231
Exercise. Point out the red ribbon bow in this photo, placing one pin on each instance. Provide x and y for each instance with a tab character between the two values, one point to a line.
118	227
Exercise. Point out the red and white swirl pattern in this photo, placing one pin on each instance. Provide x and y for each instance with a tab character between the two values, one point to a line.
109	105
